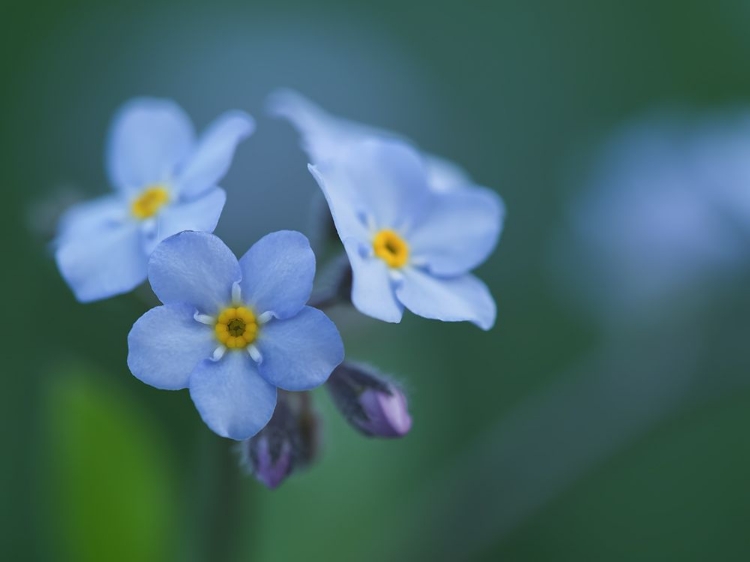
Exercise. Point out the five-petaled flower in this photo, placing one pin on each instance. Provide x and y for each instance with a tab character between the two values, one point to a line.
165	182
408	244
233	331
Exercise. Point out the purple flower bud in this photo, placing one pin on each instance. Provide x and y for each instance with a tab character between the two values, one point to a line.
388	414
271	469
370	403
288	443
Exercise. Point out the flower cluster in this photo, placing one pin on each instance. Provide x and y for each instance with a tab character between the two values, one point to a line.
245	336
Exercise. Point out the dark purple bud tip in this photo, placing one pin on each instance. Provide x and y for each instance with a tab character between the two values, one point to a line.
288	443
387	414
369	401
271	470
270	455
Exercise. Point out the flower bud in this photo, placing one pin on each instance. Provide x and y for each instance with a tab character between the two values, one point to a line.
388	413
370	403
272	460
288	443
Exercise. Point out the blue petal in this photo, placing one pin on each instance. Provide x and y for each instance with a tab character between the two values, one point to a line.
86	218
278	273
148	139
459	232
212	157
301	352
231	397
166	344
320	135
444	175
372	290
194	268
323	136
347	210
452	299
382	180
200	214
102	262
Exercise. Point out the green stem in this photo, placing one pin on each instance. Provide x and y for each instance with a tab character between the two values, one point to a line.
227	508
221	502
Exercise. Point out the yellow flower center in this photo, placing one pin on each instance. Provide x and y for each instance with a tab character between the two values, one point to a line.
391	248
150	202
237	327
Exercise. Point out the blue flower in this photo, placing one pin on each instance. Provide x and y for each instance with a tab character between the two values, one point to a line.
232	332
165	182
663	218
325	136
408	245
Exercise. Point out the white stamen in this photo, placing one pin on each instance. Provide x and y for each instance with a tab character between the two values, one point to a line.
149	227
265	317
219	353
396	276
236	293
255	354
204	319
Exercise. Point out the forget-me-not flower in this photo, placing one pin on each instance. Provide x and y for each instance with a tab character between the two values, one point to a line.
233	331
408	245
165	182
324	136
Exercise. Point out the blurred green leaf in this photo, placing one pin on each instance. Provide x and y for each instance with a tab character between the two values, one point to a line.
110	492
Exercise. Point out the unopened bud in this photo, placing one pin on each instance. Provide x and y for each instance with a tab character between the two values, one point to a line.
272	460
370	402
288	443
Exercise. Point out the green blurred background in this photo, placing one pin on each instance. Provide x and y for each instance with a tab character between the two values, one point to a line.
544	439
